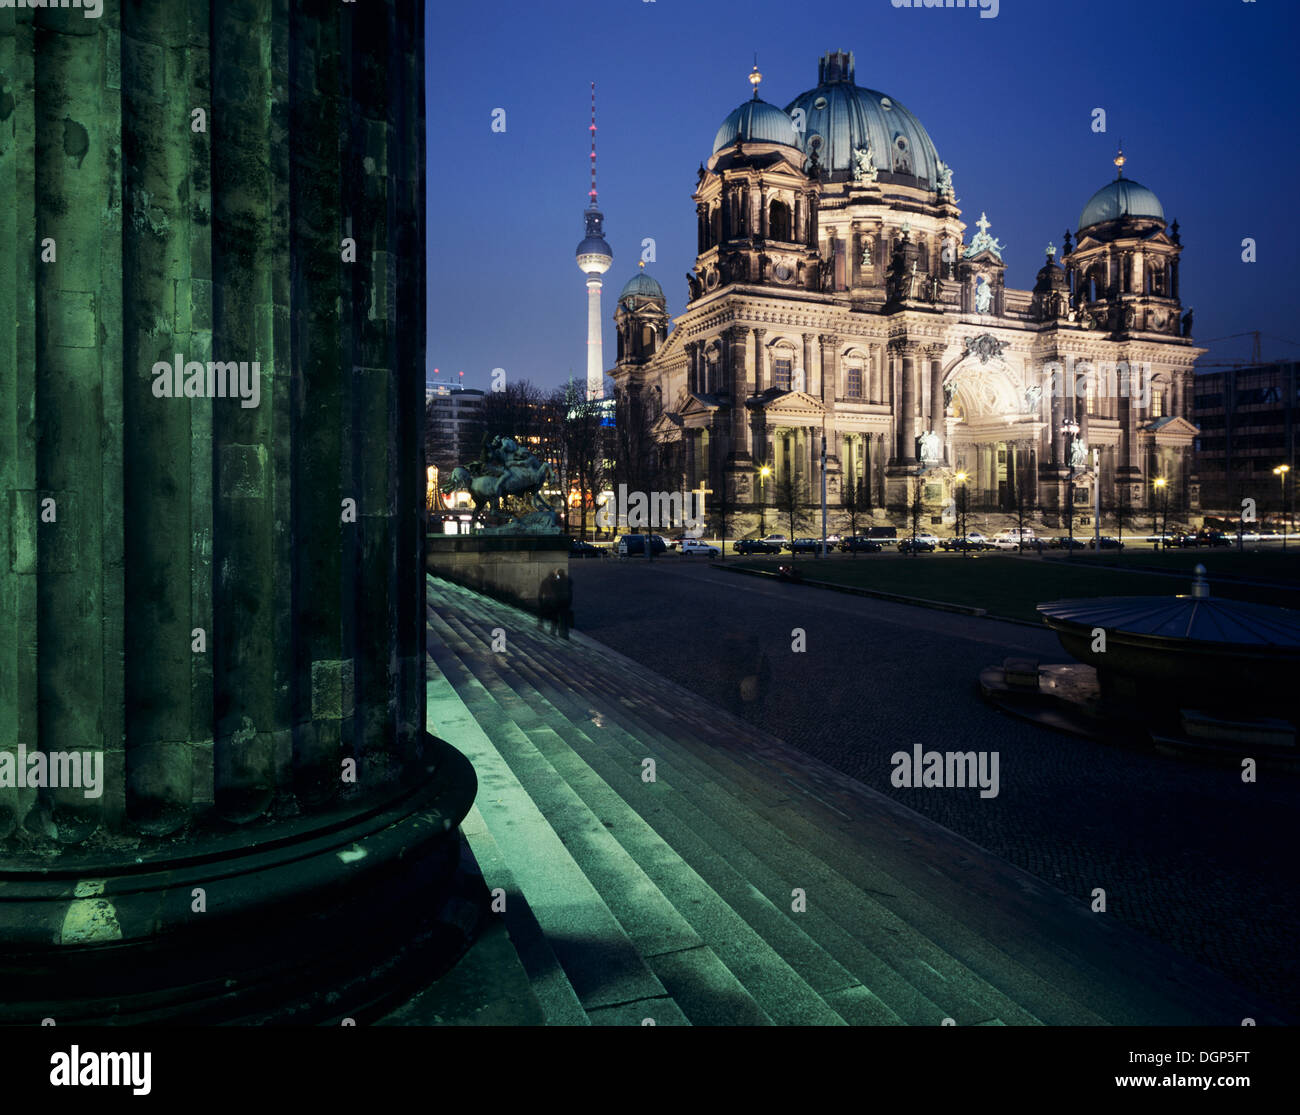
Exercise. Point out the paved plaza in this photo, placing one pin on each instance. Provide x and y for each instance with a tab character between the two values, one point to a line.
1185	852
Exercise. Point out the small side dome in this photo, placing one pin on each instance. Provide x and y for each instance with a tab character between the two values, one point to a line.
641	285
756	122
1121	198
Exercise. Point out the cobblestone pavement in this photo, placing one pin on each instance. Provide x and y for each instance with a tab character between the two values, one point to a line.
1185	851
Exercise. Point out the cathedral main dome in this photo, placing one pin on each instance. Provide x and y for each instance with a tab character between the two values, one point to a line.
840	117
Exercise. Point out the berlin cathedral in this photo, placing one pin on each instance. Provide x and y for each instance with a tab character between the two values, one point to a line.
835	295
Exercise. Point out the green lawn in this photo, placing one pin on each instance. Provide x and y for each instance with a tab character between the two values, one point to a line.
1008	585
1264	564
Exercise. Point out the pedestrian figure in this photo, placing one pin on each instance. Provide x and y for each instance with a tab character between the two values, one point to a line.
555	602
747	674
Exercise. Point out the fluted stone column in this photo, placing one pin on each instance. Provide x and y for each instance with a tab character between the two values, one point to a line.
906	428
224	595
759	382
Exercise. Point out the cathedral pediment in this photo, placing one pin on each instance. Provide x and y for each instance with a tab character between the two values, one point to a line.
697	405
789	404
1170	428
667	427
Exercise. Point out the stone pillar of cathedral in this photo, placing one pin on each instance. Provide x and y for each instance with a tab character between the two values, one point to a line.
906	415
933	355
903	465
759	374
812	371
226	619
1058	419
741	389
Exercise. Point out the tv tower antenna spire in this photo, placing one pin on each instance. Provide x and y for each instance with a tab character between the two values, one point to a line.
594	259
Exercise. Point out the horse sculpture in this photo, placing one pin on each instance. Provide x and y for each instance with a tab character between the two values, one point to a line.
514	479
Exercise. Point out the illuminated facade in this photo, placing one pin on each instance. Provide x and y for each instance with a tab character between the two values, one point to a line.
835	291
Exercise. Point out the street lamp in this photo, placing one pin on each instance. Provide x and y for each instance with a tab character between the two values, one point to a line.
1070	428
763	473
1280	472
960	480
1162	485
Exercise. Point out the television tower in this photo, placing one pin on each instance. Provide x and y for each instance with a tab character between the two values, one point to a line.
594	259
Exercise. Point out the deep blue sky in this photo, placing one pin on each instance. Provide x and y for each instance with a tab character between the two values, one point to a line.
1202	92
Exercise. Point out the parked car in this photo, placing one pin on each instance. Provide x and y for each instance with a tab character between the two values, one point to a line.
917	545
690	546
1014	540
884	535
1107	543
778	540
1215	538
1065	542
860	544
957	545
632	545
757	546
805	546
976	536
584	550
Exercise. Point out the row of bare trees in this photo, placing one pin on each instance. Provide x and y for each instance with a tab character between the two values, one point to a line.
592	446
560	426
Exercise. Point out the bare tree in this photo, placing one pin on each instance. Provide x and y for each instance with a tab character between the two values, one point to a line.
1022	513
851	499
585	441
787	499
915	509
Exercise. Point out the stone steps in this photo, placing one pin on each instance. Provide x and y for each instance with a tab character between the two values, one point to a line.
708	845
926	983
905	921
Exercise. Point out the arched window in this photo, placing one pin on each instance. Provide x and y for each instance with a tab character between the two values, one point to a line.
778	221
715	225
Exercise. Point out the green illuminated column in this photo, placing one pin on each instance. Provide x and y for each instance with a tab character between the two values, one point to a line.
219	595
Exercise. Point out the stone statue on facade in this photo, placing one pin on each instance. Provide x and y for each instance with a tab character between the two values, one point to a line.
1187	321
931	447
1079	453
943	184
866	252
864	168
826	274
983	296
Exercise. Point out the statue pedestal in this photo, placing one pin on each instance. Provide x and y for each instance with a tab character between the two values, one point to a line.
507	567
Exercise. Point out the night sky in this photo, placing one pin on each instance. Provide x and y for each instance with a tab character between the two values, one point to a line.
1203	95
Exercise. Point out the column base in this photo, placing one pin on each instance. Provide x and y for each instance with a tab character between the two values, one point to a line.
306	921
